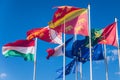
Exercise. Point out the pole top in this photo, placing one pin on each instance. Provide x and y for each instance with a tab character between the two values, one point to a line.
115	19
89	6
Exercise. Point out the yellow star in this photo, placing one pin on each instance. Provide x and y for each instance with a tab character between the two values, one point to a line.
82	58
97	35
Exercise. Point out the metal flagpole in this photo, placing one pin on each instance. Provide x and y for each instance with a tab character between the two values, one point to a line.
105	59
76	61
80	65
76	69
117	42
90	42
64	54
34	74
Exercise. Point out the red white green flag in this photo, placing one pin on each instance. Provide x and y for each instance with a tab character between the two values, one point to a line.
20	48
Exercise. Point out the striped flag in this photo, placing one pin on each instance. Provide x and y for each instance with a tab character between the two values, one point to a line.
20	48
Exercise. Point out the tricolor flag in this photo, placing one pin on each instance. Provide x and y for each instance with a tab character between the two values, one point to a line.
45	34
20	48
76	20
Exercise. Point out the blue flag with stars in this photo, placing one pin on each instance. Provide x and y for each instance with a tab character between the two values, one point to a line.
68	69
81	51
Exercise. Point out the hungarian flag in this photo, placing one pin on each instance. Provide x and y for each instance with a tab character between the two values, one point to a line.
106	35
76	20
20	48
46	34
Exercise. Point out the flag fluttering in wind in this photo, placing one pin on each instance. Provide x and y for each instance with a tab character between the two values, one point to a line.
58	51
68	69
82	54
20	48
79	48
75	19
106	35
46	34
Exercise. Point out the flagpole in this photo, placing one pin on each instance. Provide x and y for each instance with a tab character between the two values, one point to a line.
90	42
76	60
76	68
80	65
64	54
34	74
117	41
105	60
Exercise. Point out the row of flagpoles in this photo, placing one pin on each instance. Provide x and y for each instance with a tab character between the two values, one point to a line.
62	19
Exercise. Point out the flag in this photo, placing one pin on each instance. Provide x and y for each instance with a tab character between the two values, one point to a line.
68	69
106	35
58	51
78	49
20	48
76	20
81	51
46	34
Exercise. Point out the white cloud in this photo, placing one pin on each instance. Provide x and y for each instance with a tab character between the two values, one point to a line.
118	73
3	75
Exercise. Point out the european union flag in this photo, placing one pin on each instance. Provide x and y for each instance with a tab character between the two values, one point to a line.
81	51
68	69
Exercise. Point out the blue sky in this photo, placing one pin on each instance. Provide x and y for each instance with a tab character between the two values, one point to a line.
19	16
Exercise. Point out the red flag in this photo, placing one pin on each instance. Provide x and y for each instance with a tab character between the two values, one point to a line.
76	20
45	34
108	35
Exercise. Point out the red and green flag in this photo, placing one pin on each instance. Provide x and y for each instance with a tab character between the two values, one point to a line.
106	35
20	48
